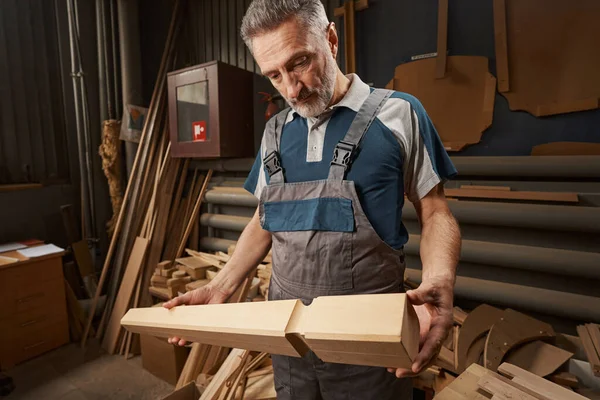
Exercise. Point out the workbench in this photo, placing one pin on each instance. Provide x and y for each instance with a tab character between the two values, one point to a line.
33	314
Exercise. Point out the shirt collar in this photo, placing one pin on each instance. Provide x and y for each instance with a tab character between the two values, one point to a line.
353	99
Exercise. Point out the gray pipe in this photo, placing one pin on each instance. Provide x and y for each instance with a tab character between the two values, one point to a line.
533	216
550	302
530	166
539	259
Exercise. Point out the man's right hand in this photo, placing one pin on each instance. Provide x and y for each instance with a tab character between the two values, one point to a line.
208	294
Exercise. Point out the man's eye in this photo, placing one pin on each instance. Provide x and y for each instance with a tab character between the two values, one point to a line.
274	77
301	61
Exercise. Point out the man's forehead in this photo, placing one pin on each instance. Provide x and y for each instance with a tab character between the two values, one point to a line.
275	48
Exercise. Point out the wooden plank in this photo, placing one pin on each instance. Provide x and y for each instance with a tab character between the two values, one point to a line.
566	149
594	331
565	379
476	187
232	362
501	45
513	329
538	357
196	268
495	387
465	387
477	323
442	39
130	277
563	197
83	258
590	350
542	386
193	365
336	328
459	315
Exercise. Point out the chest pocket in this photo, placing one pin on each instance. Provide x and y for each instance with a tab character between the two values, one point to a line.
312	241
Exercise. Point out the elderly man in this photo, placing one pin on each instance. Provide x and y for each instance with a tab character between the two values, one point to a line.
331	177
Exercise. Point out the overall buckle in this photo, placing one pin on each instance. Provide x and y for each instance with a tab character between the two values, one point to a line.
343	154
272	163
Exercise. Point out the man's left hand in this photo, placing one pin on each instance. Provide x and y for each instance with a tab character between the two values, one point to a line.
433	301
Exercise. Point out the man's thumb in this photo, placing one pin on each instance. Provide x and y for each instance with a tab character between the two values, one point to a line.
176	301
419	296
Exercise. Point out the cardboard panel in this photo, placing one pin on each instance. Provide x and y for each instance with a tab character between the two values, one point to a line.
550	49
461	105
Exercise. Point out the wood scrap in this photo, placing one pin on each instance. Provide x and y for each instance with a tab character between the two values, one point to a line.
459	315
565	379
196	284
475	326
232	362
592	354
194	267
132	271
513	329
538	357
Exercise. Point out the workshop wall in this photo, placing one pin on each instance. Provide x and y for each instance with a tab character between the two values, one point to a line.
389	32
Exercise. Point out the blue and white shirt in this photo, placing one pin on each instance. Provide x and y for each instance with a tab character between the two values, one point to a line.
400	154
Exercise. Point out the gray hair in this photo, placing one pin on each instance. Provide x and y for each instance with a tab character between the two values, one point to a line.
266	15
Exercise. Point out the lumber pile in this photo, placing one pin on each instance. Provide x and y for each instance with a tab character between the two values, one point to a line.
487	339
159	212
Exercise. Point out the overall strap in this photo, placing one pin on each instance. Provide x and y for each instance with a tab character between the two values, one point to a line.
345	150
272	161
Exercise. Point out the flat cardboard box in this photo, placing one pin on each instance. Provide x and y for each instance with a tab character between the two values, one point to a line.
162	359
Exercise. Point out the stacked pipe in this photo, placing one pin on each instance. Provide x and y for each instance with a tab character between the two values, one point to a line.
543	260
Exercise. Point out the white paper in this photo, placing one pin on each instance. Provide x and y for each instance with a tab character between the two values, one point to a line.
38	251
11	246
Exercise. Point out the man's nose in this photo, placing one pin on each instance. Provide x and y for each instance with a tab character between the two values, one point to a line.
292	86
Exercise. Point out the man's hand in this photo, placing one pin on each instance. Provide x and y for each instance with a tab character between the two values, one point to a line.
433	301
208	294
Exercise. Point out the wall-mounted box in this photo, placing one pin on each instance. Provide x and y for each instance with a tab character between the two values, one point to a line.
211	111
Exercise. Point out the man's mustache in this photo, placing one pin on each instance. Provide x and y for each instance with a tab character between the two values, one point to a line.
303	95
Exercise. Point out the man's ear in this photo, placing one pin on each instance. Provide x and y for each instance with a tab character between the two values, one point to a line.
332	38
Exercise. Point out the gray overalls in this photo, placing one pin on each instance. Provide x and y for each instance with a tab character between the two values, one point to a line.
323	244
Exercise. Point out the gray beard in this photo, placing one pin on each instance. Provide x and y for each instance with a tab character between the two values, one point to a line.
323	94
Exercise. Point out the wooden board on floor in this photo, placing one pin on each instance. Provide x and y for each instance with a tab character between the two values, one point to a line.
461	105
123	299
337	328
550	65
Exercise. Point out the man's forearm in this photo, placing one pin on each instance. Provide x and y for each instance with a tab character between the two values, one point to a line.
440	247
252	247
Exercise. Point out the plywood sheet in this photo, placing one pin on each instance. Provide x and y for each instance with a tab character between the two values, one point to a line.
551	54
461	105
